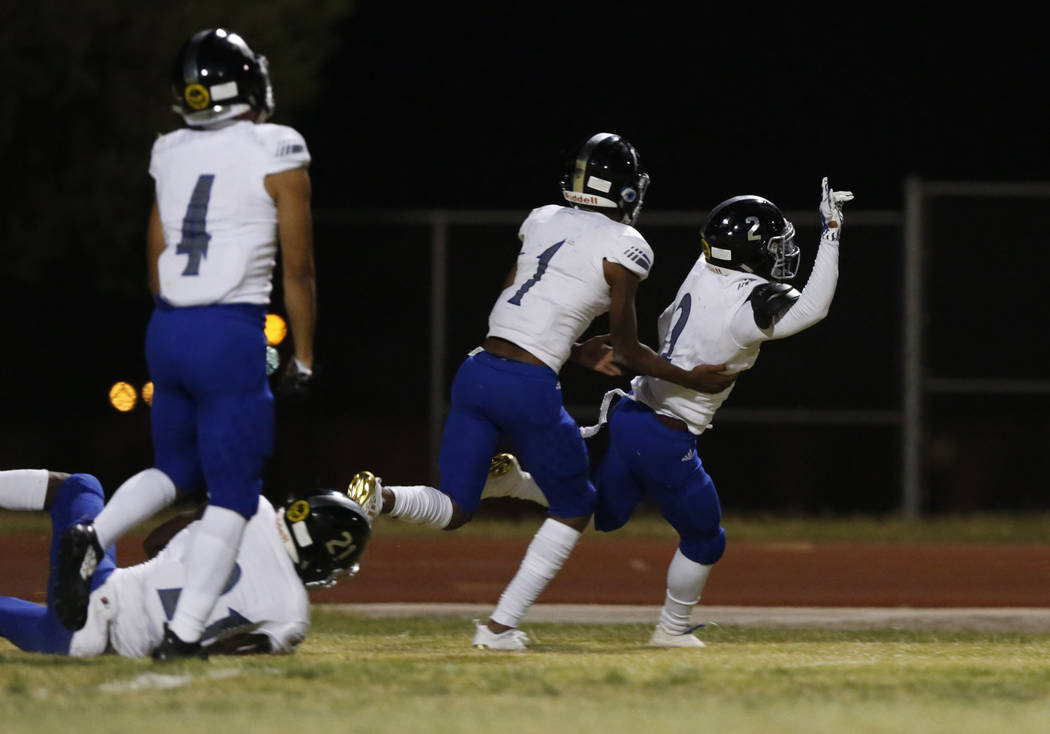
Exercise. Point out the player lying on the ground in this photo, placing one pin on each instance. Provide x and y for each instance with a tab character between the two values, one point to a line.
264	607
732	300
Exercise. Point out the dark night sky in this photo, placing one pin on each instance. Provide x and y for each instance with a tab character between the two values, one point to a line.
471	109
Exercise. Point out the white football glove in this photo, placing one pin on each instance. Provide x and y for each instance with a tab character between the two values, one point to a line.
831	210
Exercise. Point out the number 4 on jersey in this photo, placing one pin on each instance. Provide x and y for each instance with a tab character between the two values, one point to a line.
194	236
544	258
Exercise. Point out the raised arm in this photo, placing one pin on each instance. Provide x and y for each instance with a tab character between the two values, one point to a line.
777	310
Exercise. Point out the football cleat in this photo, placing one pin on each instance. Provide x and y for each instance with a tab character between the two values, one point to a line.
366	489
503	463
512	639
507	479
78	557
173	648
663	638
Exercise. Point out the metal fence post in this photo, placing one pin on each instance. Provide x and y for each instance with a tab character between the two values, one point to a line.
912	331
438	307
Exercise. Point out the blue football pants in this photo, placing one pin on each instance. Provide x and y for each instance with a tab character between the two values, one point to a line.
649	459
493	397
34	627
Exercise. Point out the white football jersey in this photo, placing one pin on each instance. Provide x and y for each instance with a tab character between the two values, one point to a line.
560	287
264	595
712	322
220	224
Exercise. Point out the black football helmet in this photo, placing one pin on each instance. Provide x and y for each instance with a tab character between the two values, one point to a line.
750	234
325	534
606	174
216	77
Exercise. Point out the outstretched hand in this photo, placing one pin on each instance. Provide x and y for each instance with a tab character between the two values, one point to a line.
597	354
832	209
708	378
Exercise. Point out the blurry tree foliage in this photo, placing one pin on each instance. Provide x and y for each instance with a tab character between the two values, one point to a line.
87	90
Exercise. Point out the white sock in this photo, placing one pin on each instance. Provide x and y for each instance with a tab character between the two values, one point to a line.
549	549
422	505
23	489
138	498
685	583
208	563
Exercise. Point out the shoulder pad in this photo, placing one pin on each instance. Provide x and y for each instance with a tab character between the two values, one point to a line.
282	142
770	301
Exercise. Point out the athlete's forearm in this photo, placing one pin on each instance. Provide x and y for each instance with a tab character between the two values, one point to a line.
300	302
154	246
639	358
815	301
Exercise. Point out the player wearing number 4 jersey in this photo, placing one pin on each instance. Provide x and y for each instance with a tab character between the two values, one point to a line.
229	188
731	302
575	263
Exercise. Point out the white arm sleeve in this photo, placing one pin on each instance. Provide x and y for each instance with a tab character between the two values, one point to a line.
811	307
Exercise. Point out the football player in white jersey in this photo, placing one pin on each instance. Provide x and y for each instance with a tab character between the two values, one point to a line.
732	300
231	189
264	606
576	262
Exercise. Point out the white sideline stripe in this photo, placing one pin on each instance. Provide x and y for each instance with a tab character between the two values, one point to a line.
979	619
162	681
146	682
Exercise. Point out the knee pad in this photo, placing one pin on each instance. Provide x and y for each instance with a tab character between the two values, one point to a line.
707	551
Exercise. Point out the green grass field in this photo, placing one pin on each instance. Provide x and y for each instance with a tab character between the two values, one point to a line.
366	675
357	674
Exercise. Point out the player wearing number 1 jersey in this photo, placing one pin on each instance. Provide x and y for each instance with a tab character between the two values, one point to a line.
575	263
231	189
731	302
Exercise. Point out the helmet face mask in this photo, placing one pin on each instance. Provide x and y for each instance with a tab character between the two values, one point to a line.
325	535
606	174
217	77
750	234
785	253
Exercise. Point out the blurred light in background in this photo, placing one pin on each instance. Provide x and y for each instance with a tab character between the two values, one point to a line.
123	396
147	394
275	329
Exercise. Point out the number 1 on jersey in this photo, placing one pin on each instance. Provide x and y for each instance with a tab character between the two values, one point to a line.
544	258
194	236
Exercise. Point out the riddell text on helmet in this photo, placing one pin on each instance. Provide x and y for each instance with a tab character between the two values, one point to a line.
576	198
